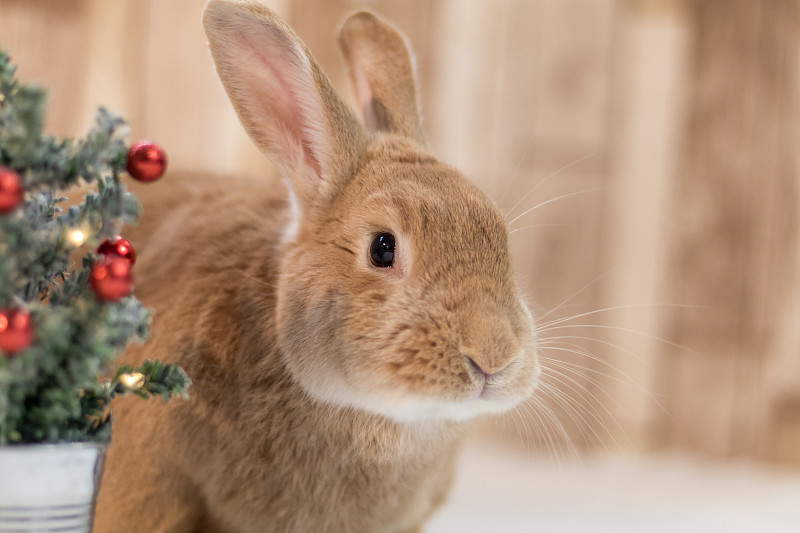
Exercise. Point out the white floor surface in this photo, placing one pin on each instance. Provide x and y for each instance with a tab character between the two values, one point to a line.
505	492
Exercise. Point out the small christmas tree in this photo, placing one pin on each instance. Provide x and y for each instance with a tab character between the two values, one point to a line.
64	320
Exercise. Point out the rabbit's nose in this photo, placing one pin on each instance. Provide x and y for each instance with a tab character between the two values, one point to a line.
475	367
488	343
487	366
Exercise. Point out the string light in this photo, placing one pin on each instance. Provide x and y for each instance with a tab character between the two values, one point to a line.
132	381
77	236
86	226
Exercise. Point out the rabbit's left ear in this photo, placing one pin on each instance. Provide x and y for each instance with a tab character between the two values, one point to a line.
382	73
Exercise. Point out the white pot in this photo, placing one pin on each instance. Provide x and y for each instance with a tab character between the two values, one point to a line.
49	487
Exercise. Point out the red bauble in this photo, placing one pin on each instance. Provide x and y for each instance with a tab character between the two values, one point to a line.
118	247
11	191
16	330
111	278
146	161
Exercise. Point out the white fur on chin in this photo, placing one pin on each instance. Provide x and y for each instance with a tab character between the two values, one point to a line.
409	408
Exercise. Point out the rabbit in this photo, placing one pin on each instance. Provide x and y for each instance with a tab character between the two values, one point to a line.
341	326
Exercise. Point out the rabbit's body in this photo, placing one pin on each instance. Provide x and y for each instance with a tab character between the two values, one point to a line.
339	330
251	451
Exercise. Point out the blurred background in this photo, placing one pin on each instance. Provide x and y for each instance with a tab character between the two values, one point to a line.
646	154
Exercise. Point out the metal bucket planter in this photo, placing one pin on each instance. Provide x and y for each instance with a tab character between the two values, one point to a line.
49	487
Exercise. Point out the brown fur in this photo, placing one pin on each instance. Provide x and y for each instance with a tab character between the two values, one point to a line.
329	394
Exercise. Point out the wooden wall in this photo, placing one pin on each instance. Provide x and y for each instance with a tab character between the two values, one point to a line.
660	137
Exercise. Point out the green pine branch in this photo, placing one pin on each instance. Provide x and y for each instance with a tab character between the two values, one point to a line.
157	379
54	390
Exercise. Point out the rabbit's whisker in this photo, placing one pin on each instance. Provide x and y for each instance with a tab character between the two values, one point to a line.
546	425
541	326
623	380
572	383
546	179
573	295
555	424
553	342
656	338
576	390
540	426
514	175
550	201
583	416
536	226
582	371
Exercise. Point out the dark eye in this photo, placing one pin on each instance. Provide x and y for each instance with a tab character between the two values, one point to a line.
381	251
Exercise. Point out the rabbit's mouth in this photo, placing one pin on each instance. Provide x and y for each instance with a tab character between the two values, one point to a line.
485	394
409	409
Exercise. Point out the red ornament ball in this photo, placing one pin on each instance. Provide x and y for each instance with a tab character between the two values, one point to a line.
118	247
11	191
111	278
146	161
16	330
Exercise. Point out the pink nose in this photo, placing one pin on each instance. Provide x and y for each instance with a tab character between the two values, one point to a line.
475	366
487	369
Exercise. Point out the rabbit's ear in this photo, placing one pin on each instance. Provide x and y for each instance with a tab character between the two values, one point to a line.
382	73
282	97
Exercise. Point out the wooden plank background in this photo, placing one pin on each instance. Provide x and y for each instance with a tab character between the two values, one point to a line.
660	137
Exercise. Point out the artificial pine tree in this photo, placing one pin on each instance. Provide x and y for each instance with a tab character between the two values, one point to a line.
63	320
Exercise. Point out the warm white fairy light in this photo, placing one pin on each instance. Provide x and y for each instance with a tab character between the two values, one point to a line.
132	381
77	236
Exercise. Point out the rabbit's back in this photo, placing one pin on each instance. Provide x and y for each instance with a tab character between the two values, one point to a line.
189	218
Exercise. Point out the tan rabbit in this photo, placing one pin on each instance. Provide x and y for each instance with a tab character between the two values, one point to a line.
340	331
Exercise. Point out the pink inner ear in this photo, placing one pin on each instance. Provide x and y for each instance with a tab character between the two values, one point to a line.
275	97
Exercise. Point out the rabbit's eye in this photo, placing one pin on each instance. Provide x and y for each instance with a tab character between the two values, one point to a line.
381	251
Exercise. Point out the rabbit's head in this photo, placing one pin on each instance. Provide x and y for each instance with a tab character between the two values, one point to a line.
395	293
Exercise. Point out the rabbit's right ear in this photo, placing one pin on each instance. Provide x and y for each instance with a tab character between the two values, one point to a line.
285	102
